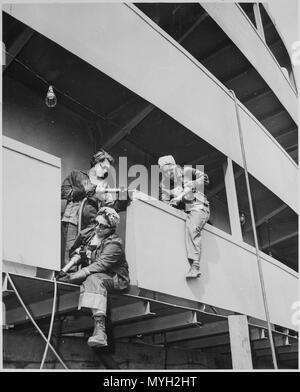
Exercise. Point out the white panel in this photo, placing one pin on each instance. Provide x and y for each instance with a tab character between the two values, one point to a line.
282	292
31	207
229	278
123	43
241	31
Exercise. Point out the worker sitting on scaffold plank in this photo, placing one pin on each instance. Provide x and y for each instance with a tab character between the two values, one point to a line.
107	270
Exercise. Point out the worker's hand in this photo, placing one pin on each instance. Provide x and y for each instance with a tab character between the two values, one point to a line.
76	277
90	189
174	202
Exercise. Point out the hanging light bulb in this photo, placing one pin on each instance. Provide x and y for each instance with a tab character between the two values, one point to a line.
50	99
242	219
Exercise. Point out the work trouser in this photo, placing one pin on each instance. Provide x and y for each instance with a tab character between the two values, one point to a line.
69	234
195	221
93	291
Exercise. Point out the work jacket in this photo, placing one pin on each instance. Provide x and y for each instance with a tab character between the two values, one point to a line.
75	188
107	257
170	189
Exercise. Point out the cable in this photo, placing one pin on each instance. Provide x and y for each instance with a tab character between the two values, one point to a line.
80	213
261	277
33	321
59	91
51	323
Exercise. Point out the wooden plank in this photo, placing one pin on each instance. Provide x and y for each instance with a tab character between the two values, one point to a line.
240	342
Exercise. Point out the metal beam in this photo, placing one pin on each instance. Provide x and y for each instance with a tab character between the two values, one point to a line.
130	312
292	349
125	313
292	147
208	342
17	46
279	340
220	187
126	130
267	217
237	75
175	321
66	303
192	28
253	97
286	133
206	330
206	159
279	240
272	116
217	52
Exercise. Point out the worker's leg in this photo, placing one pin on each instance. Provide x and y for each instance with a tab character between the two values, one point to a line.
94	296
195	221
69	236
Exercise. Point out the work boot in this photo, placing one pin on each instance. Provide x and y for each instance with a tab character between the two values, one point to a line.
99	338
194	271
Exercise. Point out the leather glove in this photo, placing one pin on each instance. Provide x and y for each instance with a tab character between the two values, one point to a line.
75	278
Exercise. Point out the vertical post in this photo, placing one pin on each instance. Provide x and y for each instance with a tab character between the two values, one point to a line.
233	209
240	342
258	21
259	264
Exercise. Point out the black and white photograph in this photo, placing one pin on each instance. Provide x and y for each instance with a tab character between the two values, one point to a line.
150	189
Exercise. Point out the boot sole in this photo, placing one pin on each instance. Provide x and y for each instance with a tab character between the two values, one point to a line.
96	344
193	277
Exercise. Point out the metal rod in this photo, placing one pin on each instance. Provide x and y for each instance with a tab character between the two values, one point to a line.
261	277
33	321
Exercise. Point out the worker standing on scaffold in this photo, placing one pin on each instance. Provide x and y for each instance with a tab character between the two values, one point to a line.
107	269
183	188
88	187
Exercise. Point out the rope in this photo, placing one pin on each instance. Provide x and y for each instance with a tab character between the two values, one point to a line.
33	321
51	323
261	277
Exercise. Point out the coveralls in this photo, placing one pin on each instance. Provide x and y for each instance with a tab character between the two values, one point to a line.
107	271
195	205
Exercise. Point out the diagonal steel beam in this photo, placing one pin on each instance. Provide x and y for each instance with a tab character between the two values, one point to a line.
17	46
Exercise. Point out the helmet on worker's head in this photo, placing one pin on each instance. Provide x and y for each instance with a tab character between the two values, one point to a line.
100	156
166	160
111	215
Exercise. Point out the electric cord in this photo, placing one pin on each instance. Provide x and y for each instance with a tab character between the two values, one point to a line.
51	323
33	321
260	271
